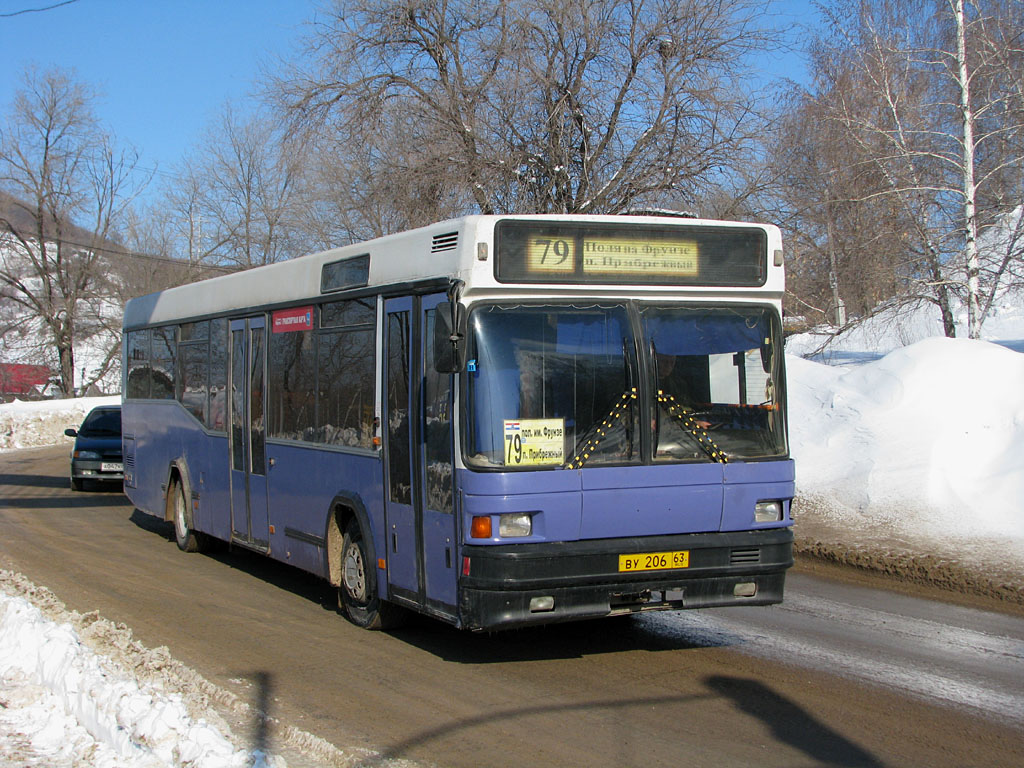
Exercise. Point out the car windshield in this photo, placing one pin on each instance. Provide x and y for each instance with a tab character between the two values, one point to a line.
105	423
552	386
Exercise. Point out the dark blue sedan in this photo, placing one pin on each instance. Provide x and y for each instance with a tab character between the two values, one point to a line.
97	451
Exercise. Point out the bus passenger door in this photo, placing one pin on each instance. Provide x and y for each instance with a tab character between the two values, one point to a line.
420	520
436	472
247	430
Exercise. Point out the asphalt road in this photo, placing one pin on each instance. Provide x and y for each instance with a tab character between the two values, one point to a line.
840	674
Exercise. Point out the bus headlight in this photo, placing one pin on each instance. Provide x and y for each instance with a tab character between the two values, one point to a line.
767	511
515	524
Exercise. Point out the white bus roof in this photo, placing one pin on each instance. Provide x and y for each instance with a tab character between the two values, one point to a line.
443	250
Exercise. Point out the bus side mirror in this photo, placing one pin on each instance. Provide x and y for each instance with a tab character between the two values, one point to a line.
449	337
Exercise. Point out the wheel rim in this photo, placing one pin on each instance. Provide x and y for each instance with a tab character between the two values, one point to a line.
355	573
179	515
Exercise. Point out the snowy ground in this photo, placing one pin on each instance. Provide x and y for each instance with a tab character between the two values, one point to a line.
64	704
909	449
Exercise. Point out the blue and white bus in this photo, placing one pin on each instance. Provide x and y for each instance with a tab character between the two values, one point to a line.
496	420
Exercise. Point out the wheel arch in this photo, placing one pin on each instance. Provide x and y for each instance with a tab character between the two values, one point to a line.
177	472
344	507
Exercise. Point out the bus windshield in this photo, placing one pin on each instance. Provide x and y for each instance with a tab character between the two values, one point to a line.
716	375
563	385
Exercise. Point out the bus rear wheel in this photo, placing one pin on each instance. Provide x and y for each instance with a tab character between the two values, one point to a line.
358	597
187	539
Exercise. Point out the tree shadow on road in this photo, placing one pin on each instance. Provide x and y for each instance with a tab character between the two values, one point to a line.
33	481
790	723
281	575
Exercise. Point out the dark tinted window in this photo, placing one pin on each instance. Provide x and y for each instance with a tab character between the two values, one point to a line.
345	410
339	314
399	473
292	385
102	423
163	363
194	379
348	273
137	385
217	413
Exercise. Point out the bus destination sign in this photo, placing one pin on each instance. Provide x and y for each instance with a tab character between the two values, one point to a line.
630	253
612	256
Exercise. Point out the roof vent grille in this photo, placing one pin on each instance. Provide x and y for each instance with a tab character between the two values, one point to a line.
446	242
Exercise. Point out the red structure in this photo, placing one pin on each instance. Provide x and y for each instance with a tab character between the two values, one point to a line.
22	380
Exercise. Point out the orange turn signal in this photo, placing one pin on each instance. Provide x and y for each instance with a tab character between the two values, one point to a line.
480	527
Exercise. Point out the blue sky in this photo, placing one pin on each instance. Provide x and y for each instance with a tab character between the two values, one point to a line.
164	68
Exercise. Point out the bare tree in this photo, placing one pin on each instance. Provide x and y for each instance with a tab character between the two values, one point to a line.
237	198
937	114
69	187
530	106
848	244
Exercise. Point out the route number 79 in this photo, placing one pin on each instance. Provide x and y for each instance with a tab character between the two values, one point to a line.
514	455
555	249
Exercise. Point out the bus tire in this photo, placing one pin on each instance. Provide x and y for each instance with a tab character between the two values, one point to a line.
187	539
358	597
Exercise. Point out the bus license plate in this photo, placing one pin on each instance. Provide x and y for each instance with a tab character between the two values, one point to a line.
654	561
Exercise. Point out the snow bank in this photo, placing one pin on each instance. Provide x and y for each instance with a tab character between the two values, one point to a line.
63	704
78	690
929	439
36	424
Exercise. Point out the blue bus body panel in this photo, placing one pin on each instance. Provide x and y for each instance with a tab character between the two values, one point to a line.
171	435
302	482
554	498
747	484
652	500
599	503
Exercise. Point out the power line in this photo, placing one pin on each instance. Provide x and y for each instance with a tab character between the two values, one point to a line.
120	251
36	10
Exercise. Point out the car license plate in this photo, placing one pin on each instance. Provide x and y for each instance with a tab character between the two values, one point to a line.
109	466
654	561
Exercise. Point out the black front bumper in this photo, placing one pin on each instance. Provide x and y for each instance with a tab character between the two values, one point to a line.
582	578
92	469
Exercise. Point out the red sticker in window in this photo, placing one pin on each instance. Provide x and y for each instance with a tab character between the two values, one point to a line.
297	319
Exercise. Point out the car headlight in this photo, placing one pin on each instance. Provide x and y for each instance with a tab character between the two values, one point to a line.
515	524
767	511
86	455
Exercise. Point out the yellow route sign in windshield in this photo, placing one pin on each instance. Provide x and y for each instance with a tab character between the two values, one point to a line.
534	442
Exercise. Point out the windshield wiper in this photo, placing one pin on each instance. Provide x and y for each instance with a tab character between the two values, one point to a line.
599	430
684	417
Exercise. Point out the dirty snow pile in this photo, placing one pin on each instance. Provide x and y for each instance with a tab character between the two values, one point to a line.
62	704
36	424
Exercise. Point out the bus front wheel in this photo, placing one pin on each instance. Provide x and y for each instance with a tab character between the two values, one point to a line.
187	539
358	597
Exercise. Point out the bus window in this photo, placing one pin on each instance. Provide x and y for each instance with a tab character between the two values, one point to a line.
137	364
549	382
163	362
714	375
